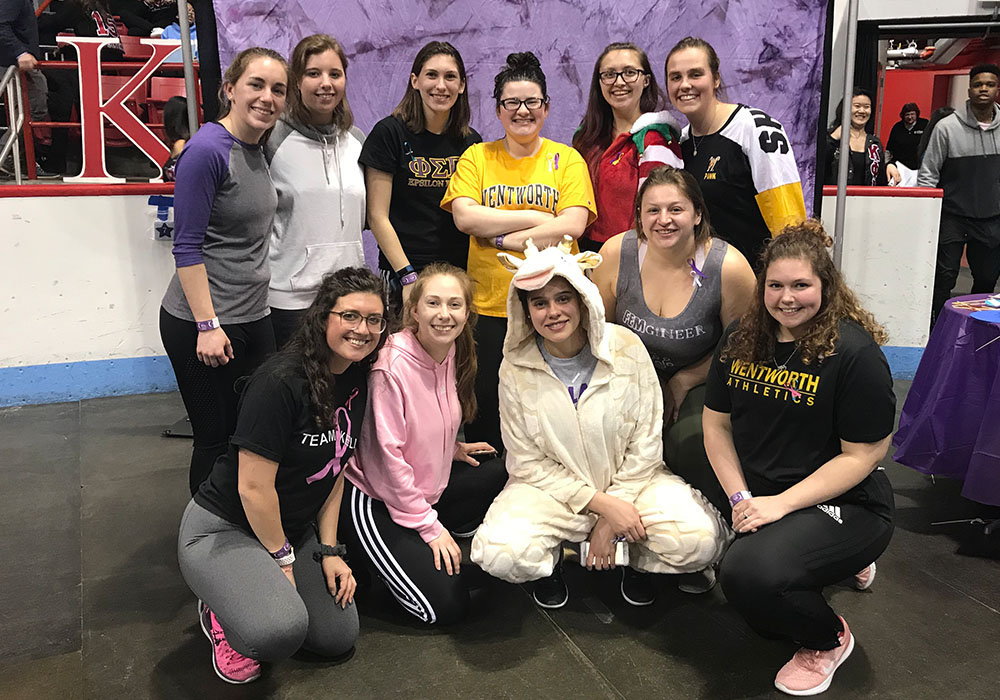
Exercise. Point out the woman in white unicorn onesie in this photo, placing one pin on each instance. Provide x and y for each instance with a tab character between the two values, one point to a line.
581	415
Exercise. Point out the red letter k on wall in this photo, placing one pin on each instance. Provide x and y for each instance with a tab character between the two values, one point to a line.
95	107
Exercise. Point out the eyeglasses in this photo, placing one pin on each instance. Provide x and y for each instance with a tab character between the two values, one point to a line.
629	75
512	104
352	319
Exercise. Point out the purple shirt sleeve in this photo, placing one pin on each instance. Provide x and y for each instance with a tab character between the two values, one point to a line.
201	169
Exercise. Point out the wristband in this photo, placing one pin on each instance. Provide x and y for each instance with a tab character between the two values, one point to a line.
407	275
498	242
739	496
284	551
209	325
325	550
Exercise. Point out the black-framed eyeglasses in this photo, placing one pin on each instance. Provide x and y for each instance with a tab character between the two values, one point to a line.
352	319
512	104
629	75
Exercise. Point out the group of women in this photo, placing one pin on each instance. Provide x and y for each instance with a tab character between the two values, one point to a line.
318	427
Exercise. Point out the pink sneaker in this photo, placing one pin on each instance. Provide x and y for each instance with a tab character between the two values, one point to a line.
809	672
864	579
230	665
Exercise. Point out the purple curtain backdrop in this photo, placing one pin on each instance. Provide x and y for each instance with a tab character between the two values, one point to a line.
771	51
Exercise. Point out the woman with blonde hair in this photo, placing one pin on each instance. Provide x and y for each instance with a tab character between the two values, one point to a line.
798	415
313	156
411	483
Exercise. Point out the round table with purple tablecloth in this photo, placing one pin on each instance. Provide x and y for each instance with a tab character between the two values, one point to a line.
950	424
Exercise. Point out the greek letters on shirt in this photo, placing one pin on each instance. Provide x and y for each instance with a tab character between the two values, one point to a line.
537	195
431	172
772	382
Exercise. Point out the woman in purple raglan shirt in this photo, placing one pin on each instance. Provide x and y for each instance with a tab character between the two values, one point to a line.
214	316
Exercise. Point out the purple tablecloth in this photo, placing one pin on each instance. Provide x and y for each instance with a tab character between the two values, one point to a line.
950	424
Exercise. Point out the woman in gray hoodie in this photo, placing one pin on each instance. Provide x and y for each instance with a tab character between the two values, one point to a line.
313	155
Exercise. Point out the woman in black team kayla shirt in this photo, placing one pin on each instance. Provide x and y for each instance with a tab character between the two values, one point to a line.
798	414
258	543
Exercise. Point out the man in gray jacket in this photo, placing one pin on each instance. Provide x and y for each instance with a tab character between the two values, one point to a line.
963	159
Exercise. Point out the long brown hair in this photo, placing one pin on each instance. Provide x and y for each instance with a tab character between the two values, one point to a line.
466	363
410	109
238	67
309	348
755	337
597	129
685	182
343	118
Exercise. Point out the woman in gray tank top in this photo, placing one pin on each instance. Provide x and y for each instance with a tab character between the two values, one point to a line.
677	288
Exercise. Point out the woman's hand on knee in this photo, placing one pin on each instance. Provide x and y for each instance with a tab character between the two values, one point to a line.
753	513
446	551
214	348
339	580
621	516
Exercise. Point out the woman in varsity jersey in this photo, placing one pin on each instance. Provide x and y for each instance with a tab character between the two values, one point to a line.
798	414
623	136
214	317
740	156
412	486
409	158
258	543
677	287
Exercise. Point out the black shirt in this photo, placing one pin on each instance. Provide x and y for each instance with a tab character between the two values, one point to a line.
788	423
904	143
276	422
421	166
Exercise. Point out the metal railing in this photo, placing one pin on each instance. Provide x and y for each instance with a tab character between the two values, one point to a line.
10	87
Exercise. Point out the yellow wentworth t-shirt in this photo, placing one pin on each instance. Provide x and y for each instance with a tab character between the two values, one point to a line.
551	180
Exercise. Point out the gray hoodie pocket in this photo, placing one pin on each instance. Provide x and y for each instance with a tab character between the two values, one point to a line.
323	258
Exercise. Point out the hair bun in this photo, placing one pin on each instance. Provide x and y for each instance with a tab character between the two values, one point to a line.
523	59
815	228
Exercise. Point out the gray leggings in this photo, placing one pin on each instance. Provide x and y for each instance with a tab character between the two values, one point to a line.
263	616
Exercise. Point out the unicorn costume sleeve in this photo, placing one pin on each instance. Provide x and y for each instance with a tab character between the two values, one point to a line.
559	456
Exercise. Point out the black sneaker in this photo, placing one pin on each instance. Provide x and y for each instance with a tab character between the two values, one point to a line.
637	587
551	592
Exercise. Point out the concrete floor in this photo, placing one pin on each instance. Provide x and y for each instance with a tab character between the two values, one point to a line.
93	606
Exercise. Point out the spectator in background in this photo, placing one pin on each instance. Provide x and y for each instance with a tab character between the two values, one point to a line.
867	165
174	32
143	16
175	124
905	136
19	47
963	159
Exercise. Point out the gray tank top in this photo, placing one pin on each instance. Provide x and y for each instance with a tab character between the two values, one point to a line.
677	342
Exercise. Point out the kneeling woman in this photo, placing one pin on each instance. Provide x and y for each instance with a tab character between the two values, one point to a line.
279	485
798	414
410	481
582	415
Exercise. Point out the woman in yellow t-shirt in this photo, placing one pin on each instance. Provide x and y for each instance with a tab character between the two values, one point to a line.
503	193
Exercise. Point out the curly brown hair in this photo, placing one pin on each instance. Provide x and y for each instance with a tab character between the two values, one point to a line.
754	338
308	347
466	362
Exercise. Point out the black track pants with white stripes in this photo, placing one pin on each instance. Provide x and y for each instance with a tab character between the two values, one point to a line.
775	576
401	558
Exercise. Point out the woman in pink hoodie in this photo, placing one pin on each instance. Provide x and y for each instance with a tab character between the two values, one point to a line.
411	484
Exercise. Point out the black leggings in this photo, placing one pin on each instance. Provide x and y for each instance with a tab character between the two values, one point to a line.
400	557
775	577
489	334
211	394
285	323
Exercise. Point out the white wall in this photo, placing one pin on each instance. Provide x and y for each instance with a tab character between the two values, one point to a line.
82	279
890	245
